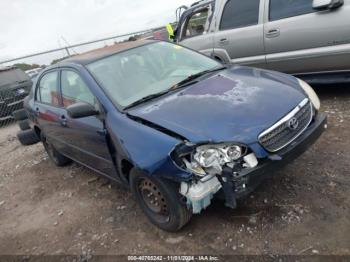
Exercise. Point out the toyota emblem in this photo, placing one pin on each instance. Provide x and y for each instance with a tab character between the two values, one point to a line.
293	123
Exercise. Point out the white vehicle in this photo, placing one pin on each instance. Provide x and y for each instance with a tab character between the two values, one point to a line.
32	73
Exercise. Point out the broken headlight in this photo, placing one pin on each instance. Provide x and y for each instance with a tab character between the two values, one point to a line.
210	159
310	93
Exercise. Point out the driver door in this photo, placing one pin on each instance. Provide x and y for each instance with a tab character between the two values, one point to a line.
83	139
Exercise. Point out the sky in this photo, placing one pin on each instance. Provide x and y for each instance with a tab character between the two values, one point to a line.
31	26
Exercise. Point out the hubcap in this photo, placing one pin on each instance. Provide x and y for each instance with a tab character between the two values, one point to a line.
153	198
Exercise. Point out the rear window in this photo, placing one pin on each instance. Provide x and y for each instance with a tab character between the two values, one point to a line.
12	76
280	9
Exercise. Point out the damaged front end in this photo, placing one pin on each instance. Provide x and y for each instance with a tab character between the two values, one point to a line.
233	168
214	167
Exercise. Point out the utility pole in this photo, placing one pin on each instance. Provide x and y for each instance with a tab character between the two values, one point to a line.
67	50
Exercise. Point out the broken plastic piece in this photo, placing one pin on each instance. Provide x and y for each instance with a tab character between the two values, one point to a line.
250	160
275	157
229	188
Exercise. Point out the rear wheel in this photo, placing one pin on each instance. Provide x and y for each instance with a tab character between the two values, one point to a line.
55	156
160	201
24	124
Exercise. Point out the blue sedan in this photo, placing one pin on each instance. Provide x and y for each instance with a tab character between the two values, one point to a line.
174	126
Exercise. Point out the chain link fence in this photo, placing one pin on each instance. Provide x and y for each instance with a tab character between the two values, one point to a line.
15	85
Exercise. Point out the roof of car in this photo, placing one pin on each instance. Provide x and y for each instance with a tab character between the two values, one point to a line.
91	56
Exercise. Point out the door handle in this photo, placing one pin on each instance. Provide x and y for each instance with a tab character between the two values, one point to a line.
63	120
37	111
273	33
223	41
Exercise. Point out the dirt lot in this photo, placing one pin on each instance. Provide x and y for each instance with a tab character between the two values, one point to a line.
304	209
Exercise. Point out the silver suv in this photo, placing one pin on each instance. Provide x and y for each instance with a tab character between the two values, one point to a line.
310	39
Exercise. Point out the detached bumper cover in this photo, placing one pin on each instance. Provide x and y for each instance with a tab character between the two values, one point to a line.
251	178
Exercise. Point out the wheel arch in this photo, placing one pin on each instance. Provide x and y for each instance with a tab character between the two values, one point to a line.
125	168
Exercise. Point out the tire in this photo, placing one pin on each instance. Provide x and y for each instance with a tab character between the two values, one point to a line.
168	212
28	137
54	155
19	115
24	124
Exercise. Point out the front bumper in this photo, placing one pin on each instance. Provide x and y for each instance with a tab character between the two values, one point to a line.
249	179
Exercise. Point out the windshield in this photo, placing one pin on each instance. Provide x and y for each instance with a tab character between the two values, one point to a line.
12	76
150	69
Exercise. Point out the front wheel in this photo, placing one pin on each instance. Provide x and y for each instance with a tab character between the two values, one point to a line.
160	201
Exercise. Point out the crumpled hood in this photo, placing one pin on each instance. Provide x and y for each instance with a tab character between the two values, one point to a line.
236	104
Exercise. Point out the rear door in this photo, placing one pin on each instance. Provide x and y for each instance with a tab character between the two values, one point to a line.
84	139
239	32
47	105
196	31
299	39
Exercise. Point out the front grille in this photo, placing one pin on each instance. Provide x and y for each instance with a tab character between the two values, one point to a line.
11	96
288	128
10	101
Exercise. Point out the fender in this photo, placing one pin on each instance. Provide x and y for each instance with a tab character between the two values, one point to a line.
147	148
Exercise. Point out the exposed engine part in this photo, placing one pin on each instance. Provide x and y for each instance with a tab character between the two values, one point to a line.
199	194
194	167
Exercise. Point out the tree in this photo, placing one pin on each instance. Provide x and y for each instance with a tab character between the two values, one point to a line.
25	67
60	59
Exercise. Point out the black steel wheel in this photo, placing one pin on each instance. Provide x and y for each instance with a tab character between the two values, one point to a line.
160	201
154	200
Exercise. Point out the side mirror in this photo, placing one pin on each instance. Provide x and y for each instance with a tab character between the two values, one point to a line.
79	110
327	4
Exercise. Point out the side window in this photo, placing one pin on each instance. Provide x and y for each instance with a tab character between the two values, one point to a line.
238	13
47	89
74	89
280	9
197	24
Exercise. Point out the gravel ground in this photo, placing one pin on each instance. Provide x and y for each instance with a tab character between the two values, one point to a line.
304	209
